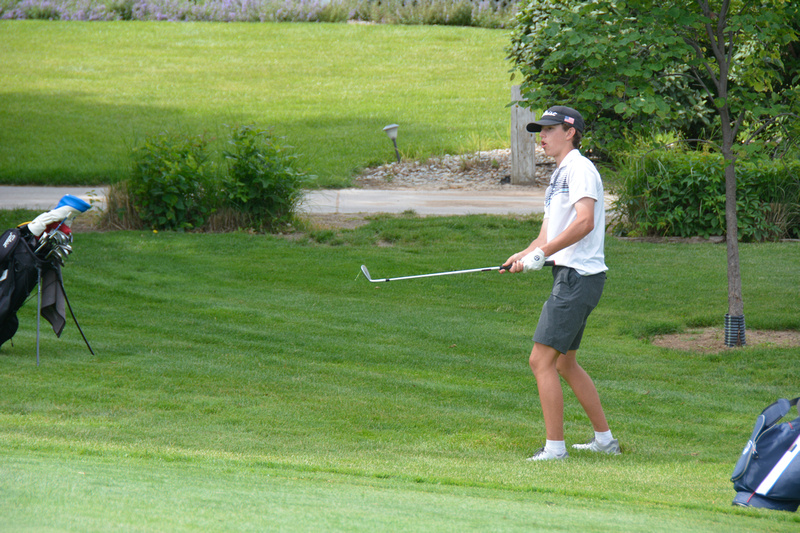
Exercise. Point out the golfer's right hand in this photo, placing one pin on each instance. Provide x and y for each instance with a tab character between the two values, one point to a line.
513	263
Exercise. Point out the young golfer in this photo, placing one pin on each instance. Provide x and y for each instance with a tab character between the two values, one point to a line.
572	235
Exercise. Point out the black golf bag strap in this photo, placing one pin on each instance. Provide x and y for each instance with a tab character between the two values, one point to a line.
71	312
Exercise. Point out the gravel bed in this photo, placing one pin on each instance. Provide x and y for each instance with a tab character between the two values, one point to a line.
478	171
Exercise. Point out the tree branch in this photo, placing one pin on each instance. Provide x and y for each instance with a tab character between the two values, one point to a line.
768	123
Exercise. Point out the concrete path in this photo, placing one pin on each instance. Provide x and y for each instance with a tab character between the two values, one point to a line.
343	201
516	200
44	198
425	202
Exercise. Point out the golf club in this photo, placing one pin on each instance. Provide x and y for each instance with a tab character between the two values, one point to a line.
449	273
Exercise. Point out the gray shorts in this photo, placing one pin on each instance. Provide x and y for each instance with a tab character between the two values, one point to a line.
564	314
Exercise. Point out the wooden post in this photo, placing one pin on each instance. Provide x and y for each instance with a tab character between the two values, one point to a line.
523	143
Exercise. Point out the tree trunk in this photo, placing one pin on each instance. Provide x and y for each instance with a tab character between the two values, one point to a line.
735	302
734	320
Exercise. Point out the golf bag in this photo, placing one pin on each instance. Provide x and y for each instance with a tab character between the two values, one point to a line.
20	269
768	471
33	254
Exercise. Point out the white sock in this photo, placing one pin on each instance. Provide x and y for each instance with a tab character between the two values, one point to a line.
558	447
603	437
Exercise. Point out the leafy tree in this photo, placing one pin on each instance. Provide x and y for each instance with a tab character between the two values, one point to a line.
727	67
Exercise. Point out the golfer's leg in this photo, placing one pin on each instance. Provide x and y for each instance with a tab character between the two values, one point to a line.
583	386
543	364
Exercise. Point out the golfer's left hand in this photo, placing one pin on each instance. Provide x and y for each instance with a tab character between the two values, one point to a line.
533	261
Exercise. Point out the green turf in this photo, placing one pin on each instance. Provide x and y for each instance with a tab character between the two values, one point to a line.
87	494
250	382
77	96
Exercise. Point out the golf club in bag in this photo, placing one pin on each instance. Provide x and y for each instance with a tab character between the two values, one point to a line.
767	473
32	255
448	273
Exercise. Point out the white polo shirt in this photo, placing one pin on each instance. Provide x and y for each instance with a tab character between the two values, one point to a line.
574	179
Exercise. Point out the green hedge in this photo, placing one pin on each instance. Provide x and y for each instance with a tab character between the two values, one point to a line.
178	183
682	194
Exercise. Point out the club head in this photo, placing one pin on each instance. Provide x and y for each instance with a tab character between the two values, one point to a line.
55	254
366	272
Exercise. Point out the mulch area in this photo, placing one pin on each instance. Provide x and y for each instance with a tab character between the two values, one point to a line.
712	340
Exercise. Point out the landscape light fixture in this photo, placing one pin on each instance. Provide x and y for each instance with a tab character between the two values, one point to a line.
391	131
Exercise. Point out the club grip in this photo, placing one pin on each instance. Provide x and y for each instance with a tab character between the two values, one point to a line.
547	263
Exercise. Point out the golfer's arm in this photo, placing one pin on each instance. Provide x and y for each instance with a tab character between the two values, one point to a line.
577	230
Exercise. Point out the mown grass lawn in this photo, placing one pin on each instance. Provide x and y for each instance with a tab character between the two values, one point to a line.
78	96
251	382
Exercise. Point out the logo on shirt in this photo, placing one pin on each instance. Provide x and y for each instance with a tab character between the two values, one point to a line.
559	184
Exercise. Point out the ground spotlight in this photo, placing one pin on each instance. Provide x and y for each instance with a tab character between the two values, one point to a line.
391	131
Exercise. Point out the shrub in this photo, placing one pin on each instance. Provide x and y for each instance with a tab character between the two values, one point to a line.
173	185
682	193
171	182
263	183
44	10
121	8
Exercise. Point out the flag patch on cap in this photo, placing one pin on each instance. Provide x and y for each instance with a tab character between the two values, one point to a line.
569	120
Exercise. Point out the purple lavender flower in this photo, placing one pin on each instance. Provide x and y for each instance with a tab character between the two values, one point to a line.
494	12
